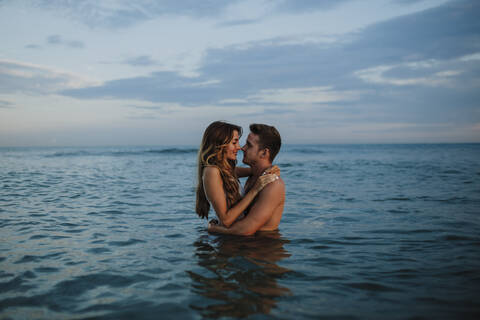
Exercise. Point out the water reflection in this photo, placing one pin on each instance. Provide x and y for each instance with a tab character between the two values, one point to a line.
238	275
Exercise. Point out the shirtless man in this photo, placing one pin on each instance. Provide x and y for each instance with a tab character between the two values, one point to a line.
265	212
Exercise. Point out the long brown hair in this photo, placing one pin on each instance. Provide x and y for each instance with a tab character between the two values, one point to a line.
212	153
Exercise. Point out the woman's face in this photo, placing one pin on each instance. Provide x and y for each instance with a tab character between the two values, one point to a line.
233	147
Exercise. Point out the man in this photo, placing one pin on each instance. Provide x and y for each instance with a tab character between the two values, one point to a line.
265	212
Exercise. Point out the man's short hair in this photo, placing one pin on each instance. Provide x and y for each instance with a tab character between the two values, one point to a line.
268	137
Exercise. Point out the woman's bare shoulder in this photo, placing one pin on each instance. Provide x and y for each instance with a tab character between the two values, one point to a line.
211	171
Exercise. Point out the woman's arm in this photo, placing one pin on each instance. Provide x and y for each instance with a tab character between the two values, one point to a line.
247	171
243	171
213	186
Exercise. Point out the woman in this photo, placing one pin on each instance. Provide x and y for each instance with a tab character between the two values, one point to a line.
218	184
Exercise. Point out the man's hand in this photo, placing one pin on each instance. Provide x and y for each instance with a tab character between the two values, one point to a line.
213	221
215	228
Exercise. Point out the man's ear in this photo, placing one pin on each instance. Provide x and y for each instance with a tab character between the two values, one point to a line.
265	153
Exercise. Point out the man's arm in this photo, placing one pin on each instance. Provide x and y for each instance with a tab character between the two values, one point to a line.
268	199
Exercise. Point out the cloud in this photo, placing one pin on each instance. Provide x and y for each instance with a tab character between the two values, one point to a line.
29	78
429	73
301	6
150	111
445	32
238	22
407	2
124	13
56	39
33	46
165	86
5	104
155	108
424	65
269	112
296	96
142	61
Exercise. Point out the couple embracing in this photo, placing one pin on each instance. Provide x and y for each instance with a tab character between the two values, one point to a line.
260	205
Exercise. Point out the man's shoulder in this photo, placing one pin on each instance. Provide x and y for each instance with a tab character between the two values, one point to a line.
269	199
276	188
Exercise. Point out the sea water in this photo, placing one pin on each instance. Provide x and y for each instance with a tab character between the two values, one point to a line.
368	232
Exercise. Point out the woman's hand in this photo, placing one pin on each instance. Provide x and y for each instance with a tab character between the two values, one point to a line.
263	180
273	170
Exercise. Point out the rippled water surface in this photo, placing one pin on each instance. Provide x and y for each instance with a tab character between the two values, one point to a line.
369	231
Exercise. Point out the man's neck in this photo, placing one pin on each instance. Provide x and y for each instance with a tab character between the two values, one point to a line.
259	168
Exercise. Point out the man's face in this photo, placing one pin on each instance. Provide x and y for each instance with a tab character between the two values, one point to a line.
251	149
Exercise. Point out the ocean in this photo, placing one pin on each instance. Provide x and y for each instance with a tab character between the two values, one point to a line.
368	232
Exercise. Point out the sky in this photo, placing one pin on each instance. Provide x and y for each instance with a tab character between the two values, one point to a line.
151	72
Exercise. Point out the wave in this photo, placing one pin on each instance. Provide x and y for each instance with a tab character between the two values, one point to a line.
120	153
173	150
68	154
306	150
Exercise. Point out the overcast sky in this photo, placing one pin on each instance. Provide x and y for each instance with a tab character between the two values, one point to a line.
158	72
